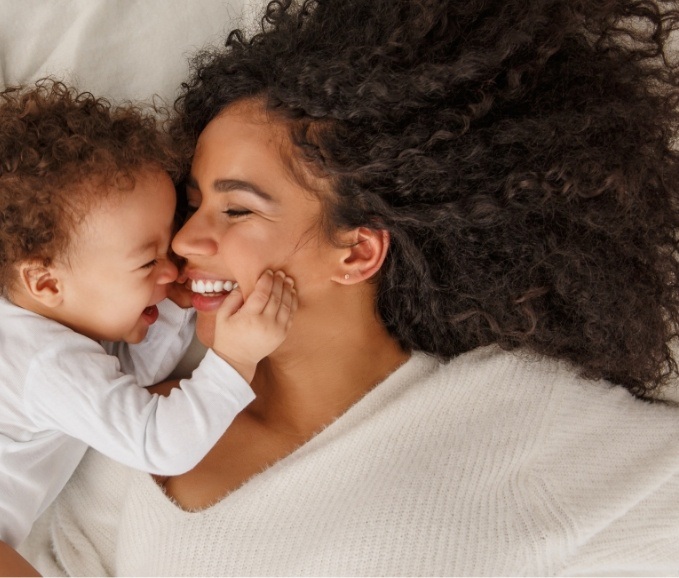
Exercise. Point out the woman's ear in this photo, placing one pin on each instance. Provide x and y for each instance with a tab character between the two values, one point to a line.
365	252
40	283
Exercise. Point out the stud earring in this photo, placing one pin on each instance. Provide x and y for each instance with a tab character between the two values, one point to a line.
346	275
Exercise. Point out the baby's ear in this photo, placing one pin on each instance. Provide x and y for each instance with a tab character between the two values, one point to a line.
40	282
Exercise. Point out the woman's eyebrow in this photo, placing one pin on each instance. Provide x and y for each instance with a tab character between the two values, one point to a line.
228	185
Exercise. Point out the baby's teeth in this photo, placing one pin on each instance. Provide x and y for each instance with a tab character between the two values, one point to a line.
209	287
228	285
218	286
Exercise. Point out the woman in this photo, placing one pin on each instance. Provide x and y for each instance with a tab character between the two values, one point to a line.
478	203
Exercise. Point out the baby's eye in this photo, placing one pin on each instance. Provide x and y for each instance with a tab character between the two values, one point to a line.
235	213
150	264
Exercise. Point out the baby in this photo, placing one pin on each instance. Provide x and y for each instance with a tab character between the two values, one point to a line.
87	205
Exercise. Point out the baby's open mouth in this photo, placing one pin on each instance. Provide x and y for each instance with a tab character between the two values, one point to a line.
150	314
212	286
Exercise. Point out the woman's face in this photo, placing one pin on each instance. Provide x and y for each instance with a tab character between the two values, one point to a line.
249	214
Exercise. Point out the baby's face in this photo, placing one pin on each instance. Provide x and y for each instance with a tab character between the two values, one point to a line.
118	267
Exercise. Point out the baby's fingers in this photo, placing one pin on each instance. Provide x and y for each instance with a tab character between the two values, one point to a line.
259	297
276	296
231	304
288	295
293	308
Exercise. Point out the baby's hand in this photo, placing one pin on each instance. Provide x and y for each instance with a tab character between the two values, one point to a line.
247	332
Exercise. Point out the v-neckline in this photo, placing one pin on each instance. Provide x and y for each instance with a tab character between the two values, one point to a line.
373	400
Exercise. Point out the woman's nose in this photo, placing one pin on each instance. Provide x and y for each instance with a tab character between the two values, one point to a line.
193	238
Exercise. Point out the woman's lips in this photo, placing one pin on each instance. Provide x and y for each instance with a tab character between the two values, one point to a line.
209	302
208	294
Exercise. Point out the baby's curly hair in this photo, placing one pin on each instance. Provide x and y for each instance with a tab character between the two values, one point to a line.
60	151
521	153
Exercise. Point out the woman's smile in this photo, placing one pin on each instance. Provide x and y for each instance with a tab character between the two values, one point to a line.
208	286
207	291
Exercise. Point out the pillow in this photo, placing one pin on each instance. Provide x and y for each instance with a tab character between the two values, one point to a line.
120	49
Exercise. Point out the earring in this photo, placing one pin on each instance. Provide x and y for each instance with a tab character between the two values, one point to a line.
346	276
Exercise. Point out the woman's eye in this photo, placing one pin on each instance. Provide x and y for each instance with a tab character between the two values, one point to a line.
150	264
235	213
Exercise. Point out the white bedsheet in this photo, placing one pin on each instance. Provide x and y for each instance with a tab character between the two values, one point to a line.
121	49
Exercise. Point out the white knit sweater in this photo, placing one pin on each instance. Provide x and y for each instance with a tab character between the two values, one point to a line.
494	464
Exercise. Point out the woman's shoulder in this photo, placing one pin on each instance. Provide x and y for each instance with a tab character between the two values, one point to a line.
520	393
553	415
582	454
496	376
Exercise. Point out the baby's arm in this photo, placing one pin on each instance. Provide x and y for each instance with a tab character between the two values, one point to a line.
76	388
13	564
245	333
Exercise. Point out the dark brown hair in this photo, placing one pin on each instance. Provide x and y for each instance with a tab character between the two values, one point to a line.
60	150
520	153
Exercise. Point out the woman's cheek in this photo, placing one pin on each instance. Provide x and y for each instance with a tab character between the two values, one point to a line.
205	328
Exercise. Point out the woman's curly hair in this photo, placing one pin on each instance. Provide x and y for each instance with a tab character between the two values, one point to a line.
521	153
60	151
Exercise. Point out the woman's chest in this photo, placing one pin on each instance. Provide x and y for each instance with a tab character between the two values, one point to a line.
356	500
245	450
312	513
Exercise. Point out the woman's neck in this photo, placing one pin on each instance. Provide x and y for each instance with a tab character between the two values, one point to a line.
322	371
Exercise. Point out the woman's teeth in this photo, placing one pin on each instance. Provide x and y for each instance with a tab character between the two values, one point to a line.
212	286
